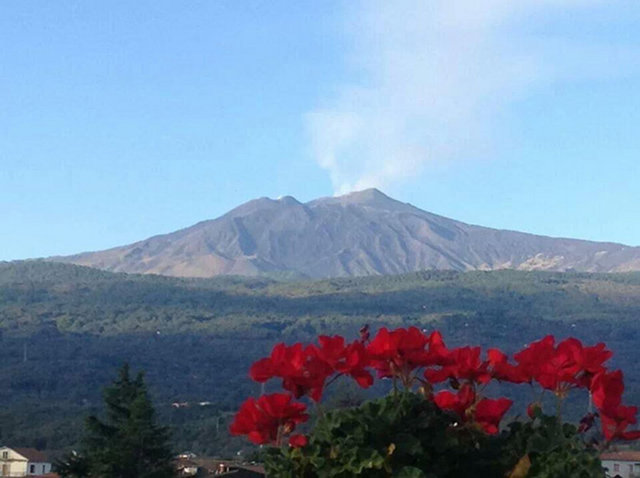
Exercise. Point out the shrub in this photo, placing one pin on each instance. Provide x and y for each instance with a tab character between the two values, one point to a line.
437	420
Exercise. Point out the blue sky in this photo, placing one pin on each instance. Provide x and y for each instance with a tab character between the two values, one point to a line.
120	120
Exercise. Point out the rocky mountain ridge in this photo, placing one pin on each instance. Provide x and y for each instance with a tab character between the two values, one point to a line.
362	233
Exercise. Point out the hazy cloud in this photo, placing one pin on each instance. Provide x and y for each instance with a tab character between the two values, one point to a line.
434	76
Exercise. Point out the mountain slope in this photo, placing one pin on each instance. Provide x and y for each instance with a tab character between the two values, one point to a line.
362	233
196	338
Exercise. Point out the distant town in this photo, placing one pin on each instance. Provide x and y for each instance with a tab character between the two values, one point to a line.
29	462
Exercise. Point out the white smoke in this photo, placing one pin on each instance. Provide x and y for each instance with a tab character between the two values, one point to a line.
434	78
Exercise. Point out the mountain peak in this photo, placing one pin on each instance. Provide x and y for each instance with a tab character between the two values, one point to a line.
263	204
288	200
371	197
361	233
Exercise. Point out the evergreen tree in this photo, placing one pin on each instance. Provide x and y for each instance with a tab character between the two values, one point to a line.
72	465
128	443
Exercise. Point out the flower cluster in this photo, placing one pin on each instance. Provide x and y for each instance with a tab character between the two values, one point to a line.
266	419
305	370
454	379
606	389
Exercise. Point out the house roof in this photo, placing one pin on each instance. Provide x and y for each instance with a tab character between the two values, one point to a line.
623	455
254	468
183	462
238	472
32	454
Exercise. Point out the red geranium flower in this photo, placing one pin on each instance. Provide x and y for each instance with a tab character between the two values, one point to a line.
489	412
486	412
284	360
399	352
606	393
592	360
301	369
615	422
459	402
562	368
606	390
569	365
463	364
349	359
298	441
500	368
265	419
531	359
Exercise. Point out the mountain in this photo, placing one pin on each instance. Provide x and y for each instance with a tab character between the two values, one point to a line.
362	233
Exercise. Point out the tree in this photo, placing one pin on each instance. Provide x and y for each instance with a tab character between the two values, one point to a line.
127	443
72	465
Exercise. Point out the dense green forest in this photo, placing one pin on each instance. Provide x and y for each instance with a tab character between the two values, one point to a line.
65	330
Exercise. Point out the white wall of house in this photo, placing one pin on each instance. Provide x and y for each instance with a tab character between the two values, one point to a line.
625	469
12	464
34	468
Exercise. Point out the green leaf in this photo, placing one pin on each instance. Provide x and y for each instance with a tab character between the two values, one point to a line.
410	472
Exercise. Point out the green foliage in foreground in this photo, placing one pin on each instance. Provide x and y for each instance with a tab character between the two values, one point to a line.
128	443
552	448
407	436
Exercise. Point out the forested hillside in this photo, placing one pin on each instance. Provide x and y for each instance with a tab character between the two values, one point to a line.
65	329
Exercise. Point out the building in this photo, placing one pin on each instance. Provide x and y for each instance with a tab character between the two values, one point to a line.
186	467
230	470
214	468
621	464
18	462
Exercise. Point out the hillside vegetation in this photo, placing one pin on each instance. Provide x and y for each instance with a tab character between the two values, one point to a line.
65	329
